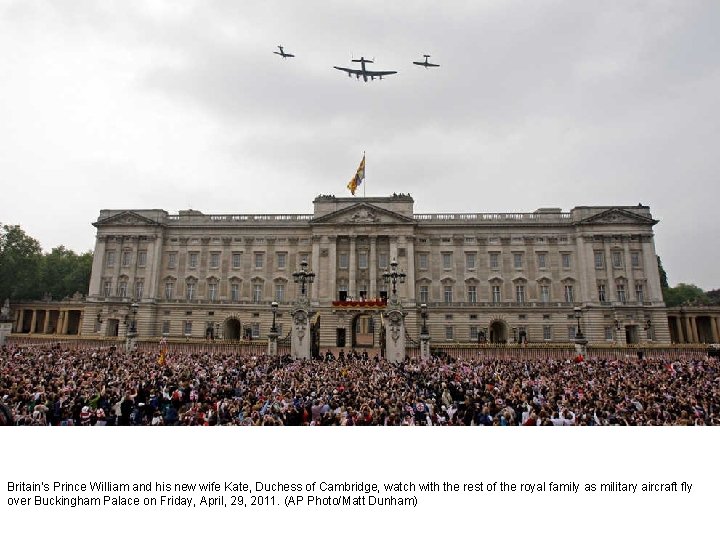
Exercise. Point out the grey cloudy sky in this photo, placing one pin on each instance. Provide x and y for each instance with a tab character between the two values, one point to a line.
183	105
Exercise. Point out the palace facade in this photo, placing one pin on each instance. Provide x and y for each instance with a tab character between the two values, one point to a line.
499	277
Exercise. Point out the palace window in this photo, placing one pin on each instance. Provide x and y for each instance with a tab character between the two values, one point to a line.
544	293
422	261
569	294
470	260
215	259
494	260
165	327
107	288
635	259
259	260
547	332
448	294
520	294
565	260
190	289
169	290
343	260
517	261
571	333
235	292
236	260
424	294
193	260
363	259
122	289
257	293
621	293
608	333
212	291
142	258
279	292
255	330
449	332
496	296
281	260
139	287
447	261
639	292
187	328
602	296
110	259
542	261
126	258
599	260
383	260
617	259
474	333
472	294
172	259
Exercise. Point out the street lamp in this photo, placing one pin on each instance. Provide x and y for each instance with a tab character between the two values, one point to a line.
393	276
578	315
274	307
302	276
424	316
133	323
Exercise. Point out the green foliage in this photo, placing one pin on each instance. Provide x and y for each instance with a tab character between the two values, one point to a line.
685	294
28	274
20	262
663	275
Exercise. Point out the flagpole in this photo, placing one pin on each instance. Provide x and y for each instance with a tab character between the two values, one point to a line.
365	171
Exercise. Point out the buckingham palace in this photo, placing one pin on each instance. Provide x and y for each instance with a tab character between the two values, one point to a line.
466	277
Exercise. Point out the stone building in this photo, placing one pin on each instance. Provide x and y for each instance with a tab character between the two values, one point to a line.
497	277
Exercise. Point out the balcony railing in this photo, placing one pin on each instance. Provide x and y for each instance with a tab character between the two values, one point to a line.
562	217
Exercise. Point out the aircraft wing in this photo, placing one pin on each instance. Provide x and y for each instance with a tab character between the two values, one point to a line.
349	70
379	73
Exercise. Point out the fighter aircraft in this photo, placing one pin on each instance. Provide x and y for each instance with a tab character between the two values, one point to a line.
426	63
364	72
283	53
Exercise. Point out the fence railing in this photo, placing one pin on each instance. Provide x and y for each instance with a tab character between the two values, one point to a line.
465	351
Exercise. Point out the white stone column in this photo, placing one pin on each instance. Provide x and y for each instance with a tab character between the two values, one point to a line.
652	272
33	321
609	272
98	265
629	269
153	269
410	270
373	262
315	287
352	288
332	266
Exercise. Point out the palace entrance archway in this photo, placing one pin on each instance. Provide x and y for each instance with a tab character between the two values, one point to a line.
498	332
232	329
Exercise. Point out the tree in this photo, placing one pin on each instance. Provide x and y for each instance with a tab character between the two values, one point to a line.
20	260
684	294
64	272
663	275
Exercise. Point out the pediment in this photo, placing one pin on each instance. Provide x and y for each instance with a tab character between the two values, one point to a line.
362	214
126	217
618	216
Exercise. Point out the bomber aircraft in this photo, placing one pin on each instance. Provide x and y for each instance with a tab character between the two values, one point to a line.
365	73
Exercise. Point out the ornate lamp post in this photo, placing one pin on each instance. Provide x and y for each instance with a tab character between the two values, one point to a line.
578	315
273	335
301	339
132	331
580	341
302	277
424	334
393	276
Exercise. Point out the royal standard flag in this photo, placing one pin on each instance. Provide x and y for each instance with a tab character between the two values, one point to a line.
358	178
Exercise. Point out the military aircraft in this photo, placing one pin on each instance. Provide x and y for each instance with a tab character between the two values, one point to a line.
283	53
426	63
364	72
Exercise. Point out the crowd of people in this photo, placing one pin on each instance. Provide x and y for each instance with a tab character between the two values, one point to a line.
51	386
